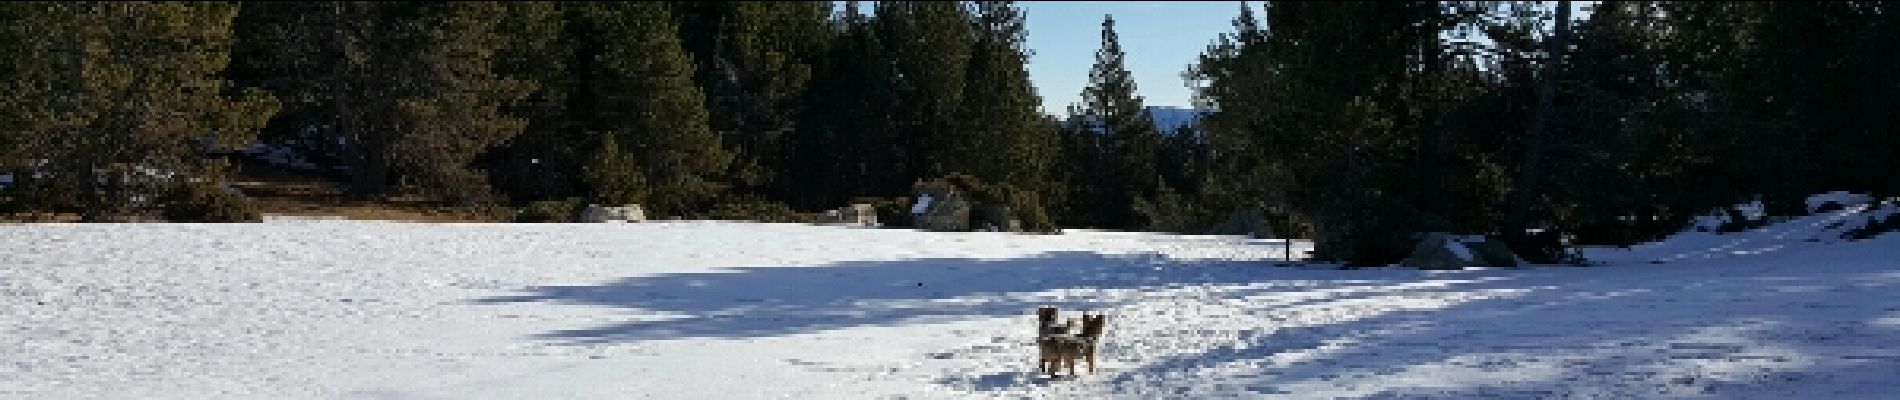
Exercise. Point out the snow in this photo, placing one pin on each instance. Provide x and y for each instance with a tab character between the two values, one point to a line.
1837	197
328	309
1459	250
1753	211
923	203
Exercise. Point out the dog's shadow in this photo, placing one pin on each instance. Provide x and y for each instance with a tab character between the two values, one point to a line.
999	380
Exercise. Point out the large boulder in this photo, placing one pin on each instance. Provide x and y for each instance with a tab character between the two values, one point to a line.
941	207
1444	251
949	213
628	213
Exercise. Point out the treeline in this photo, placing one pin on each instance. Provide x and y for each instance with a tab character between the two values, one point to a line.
1361	123
1354	123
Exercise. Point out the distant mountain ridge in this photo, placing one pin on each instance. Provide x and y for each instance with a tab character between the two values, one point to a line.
1170	118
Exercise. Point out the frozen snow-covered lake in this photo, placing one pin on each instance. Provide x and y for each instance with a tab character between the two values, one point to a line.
293	309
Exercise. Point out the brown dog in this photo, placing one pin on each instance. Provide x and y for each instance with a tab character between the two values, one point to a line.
1059	347
1047	334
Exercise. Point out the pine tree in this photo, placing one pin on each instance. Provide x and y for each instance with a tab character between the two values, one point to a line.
642	93
999	114
754	62
400	92
457	112
1129	140
616	178
929	43
118	102
537	163
1002	139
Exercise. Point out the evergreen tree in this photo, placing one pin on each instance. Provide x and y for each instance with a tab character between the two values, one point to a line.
754	62
641	92
457	111
1129	138
407	92
1234	79
117	102
537	163
616	178
848	144
1001	140
929	44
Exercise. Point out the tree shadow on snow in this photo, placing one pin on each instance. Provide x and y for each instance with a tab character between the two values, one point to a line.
783	300
1604	334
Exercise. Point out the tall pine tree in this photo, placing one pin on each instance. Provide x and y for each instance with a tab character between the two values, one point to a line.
641	93
113	103
1128	137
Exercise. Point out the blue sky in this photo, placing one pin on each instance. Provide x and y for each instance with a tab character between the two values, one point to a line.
1160	39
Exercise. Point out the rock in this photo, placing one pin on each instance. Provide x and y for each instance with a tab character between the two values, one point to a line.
855	215
861	214
1836	200
940	207
950	213
1443	251
594	213
999	218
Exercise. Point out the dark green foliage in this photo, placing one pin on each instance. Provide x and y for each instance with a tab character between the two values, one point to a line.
891	212
1170	211
615	177
406	94
551	210
755	62
1111	140
1355	124
1000	138
1025	206
752	208
642	93
201	202
116	102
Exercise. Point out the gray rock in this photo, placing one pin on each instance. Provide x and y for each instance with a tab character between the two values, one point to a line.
594	213
1443	251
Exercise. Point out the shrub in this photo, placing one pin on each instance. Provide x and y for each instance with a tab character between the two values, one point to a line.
755	209
204	202
1029	208
551	210
1025	205
892	212
1168	211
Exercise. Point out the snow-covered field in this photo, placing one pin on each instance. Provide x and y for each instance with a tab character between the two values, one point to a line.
293	309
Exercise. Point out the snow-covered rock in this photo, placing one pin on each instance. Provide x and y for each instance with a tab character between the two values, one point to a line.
1842	198
595	213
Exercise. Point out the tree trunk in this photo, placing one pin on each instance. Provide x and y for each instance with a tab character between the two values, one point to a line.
1527	185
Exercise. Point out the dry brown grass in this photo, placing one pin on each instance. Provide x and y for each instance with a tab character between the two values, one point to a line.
39	217
371	211
275	191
